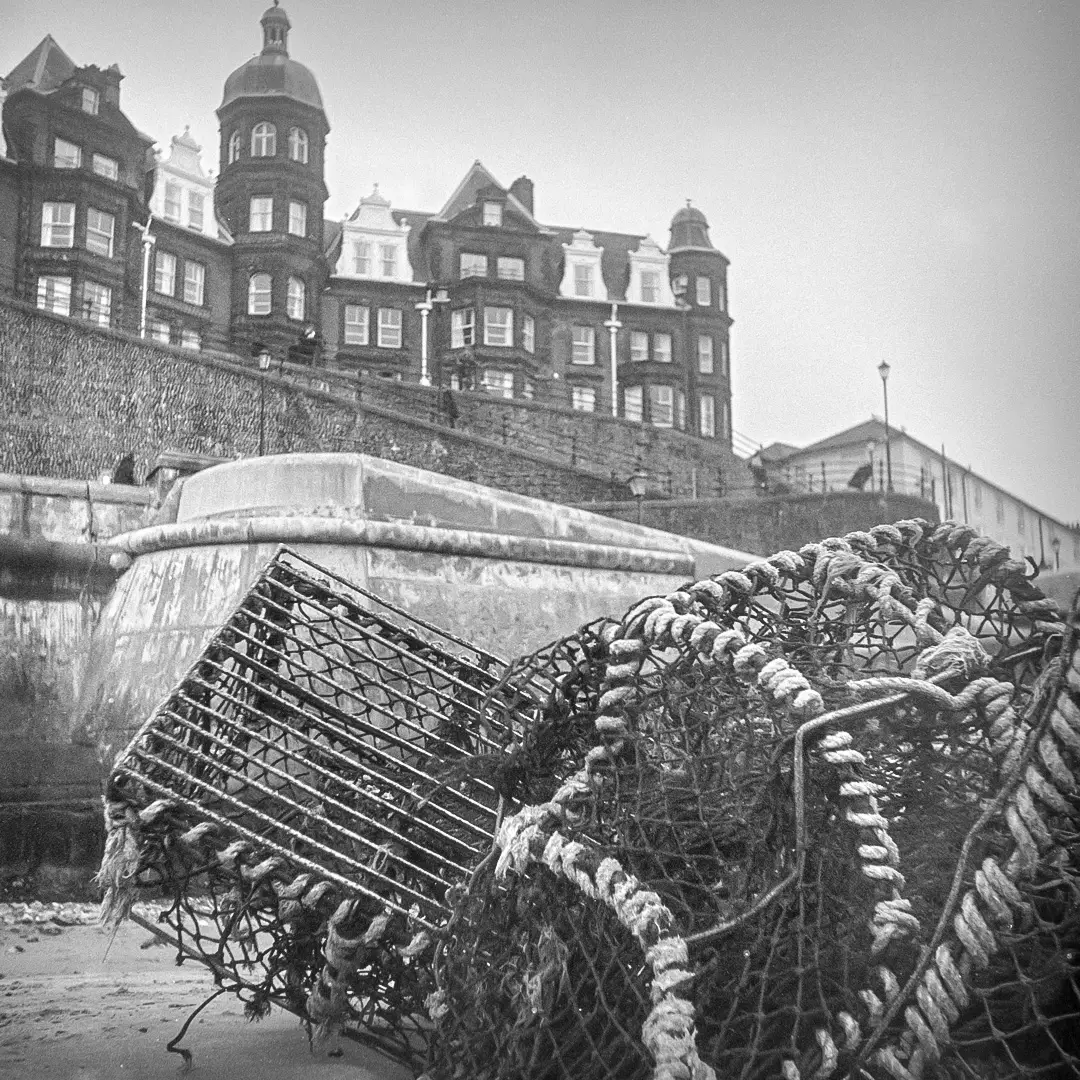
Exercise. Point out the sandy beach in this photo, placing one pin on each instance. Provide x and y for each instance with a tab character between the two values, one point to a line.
74	1006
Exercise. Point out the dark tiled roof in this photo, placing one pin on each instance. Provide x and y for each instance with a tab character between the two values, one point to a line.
46	68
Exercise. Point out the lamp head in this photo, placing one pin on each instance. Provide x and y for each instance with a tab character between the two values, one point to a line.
883	370
638	483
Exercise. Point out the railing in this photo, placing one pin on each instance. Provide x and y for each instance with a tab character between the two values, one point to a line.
805	478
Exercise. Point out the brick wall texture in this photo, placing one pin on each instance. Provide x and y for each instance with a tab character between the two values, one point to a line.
76	399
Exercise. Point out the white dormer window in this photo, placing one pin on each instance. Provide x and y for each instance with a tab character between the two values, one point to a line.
649	275
90	101
493	213
195	211
374	244
582	276
172	202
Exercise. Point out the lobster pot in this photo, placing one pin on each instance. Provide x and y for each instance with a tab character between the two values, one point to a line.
826	826
294	801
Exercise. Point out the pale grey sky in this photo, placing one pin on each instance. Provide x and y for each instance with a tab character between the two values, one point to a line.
890	180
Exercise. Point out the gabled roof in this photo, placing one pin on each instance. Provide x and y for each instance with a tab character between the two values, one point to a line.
859	434
465	196
416	219
46	68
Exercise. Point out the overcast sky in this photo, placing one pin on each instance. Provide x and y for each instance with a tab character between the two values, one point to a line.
893	181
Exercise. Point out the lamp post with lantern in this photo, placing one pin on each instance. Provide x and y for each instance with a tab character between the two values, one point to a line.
425	307
263	357
883	371
639	482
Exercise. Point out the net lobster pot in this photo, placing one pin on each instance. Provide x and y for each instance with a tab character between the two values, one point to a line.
824	825
290	801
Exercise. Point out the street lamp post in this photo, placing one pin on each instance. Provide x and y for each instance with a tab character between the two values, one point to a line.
147	245
883	371
638	484
264	367
425	307
1056	545
613	327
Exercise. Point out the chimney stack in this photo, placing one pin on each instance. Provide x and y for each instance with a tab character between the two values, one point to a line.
522	190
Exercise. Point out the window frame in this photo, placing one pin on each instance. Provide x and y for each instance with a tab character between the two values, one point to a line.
266	134
502	388
47	296
194	282
173	188
94	98
502	262
463	328
392	327
650	284
235	144
103	316
362	253
662	355
73	161
256	294
97	231
164	259
707	416
296	298
266	214
639	346
112	173
463	273
497	328
699	281
583	344
582	398
388	260
191	339
583	279
491	214
49	226
196	208
159	330
356	331
706	356
657	403
298	145
528	333
298	209
633	404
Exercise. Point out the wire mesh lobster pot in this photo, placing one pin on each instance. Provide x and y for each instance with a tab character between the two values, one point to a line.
294	801
824	824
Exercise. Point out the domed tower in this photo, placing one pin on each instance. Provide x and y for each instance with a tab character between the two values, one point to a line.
271	192
699	281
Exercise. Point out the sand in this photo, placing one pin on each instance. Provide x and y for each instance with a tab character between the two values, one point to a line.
74	1007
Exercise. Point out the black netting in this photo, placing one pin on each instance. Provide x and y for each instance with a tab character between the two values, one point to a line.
817	818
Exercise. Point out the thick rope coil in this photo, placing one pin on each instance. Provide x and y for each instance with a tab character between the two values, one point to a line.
327	1003
668	1032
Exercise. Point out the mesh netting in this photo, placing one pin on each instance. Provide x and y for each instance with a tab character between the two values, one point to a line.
826	826
291	798
817	818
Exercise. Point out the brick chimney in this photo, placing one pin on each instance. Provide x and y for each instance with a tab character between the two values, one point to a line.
112	85
522	190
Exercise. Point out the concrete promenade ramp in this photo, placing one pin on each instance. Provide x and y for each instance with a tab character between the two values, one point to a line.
503	571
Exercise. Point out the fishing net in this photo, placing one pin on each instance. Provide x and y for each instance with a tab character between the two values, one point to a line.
826	825
816	818
294	803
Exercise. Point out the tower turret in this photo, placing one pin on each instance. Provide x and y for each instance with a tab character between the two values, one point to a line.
271	191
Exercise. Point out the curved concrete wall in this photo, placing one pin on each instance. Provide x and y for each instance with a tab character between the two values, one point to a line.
504	571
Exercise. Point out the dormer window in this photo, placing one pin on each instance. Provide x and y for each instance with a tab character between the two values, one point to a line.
90	101
263	140
582	272
298	145
493	213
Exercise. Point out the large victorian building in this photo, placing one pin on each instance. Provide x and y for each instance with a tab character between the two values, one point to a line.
478	295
